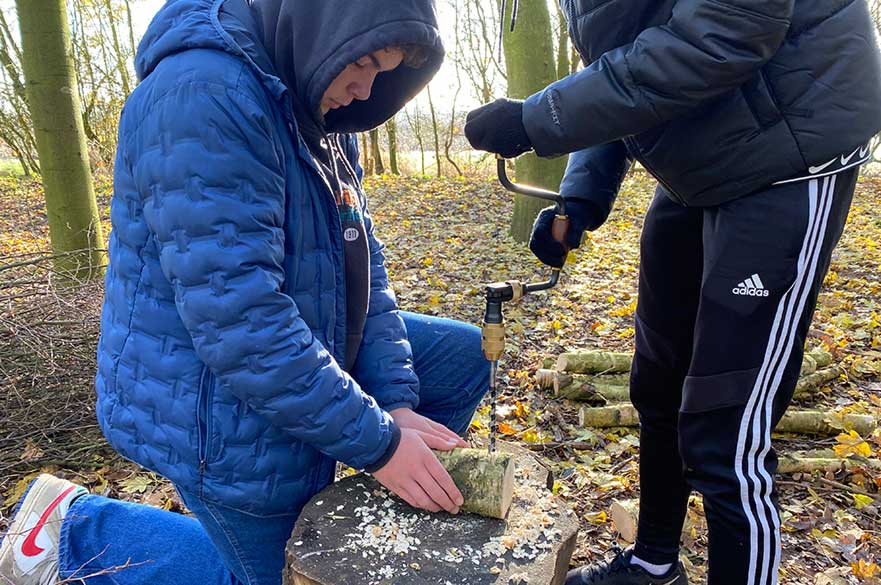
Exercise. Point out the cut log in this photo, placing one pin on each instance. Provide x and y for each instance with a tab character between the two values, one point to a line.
486	480
625	517
356	532
807	422
605	362
816	422
813	382
620	415
594	362
822	358
808	365
590	388
796	463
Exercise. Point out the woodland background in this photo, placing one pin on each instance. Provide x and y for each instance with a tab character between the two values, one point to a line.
449	228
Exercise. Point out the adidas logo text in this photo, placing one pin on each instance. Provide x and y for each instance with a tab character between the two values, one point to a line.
751	287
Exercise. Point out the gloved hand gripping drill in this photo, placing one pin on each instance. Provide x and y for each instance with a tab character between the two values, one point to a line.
498	293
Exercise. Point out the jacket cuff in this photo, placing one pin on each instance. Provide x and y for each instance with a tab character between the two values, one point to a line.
396	405
389	452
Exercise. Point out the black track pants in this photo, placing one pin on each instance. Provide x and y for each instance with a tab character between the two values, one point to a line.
726	296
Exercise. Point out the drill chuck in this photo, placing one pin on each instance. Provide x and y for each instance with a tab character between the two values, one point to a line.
492	340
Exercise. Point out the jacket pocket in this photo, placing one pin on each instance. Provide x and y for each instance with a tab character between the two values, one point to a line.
724	390
204	417
761	102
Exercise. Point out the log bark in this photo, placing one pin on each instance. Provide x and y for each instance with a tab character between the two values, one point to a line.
808	365
486	480
594	362
807	422
822	358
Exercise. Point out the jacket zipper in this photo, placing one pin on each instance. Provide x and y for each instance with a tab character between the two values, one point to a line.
203	416
569	9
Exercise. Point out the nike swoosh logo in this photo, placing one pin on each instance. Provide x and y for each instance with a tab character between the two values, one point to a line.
845	160
865	150
29	547
815	170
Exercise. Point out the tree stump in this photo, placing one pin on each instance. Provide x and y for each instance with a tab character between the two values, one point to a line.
356	532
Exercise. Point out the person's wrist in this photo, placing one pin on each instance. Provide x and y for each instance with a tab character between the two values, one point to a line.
394	443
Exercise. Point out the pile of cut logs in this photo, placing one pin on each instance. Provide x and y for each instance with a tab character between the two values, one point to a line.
599	381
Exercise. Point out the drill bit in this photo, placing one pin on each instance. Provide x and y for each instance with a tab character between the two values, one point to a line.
493	422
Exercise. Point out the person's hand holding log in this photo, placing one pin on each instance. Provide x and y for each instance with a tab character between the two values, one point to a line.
416	476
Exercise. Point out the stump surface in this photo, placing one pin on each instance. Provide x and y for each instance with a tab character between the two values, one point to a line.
356	531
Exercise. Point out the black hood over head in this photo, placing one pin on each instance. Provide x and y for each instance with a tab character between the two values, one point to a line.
311	41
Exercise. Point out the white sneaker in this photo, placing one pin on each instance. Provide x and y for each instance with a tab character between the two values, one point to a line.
29	551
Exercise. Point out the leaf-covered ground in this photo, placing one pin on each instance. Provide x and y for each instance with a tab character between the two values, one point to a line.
445	238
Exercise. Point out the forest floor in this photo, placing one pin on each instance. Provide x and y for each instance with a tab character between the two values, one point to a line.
445	238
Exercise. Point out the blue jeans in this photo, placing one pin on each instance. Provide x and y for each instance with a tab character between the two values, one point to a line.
228	547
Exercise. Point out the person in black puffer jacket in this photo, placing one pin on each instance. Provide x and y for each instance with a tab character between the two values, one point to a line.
754	117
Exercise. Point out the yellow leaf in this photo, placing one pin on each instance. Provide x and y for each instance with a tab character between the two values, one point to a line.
851	443
861	501
864	570
557	325
556	489
434	300
530	436
427	261
521	410
597	518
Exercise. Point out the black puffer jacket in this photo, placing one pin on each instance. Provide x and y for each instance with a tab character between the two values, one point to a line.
716	98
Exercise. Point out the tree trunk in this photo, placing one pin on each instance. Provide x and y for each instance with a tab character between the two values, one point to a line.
531	66
378	166
436	133
117	49
485	480
74	226
391	128
562	45
806	422
366	165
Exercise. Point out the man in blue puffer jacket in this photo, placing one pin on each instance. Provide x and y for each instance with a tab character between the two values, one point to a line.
249	338
754	117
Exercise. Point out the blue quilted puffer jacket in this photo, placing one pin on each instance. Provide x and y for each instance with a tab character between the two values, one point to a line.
224	318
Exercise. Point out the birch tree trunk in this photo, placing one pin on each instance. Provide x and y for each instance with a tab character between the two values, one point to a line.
54	101
531	65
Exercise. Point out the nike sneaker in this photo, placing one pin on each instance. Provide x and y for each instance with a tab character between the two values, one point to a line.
29	550
619	571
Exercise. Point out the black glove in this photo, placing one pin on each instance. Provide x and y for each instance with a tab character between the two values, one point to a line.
582	214
498	128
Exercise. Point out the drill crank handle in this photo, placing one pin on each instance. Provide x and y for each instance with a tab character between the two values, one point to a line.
561	222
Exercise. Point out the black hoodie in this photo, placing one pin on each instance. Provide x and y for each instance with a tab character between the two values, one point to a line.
311	42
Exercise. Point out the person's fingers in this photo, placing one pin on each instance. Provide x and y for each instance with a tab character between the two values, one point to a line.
420	498
443	479
434	441
437	494
445	432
